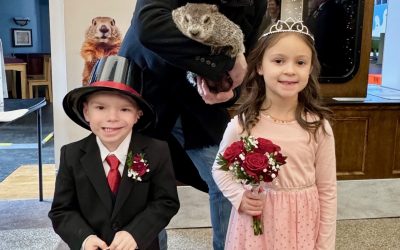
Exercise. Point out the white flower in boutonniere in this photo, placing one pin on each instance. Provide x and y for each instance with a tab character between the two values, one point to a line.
137	166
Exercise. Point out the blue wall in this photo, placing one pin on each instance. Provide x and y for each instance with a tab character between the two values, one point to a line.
38	13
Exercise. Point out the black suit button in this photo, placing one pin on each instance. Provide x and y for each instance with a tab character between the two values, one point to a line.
115	226
202	59
213	65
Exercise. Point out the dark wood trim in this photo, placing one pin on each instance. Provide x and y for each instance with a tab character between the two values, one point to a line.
356	87
396	149
367	140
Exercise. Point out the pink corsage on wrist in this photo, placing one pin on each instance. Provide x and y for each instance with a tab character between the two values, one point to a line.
137	165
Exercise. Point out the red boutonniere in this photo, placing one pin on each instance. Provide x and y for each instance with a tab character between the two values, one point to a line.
137	165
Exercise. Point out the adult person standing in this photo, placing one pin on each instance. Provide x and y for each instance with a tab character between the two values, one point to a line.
274	10
272	15
195	117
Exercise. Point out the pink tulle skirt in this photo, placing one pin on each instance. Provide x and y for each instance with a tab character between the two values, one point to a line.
290	220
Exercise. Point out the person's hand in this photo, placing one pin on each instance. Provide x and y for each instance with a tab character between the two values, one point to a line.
123	241
93	243
210	97
252	203
238	71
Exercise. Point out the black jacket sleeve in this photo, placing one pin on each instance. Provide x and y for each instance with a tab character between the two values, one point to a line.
64	214
157	32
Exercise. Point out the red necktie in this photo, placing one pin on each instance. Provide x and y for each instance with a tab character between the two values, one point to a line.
113	177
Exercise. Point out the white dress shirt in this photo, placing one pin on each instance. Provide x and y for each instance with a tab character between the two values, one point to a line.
121	153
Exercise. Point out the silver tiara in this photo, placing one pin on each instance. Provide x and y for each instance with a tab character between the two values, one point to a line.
288	26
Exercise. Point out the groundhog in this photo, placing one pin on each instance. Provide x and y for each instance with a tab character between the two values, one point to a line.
205	24
102	38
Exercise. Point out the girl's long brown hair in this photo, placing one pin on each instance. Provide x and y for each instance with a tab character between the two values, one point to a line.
253	87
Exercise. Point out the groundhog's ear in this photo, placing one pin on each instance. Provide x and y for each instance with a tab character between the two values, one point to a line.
94	21
113	22
213	8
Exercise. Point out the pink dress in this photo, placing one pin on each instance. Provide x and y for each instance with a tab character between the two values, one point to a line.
300	206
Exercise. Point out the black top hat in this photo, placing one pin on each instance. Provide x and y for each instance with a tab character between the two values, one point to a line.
111	73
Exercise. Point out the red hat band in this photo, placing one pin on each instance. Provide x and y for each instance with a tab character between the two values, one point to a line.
115	85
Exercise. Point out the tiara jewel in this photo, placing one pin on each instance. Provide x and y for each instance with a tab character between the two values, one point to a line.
288	26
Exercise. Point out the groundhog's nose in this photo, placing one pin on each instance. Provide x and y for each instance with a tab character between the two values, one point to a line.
104	29
194	33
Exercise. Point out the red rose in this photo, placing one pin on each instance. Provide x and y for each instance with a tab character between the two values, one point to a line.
265	146
139	166
280	159
254	164
233	151
270	174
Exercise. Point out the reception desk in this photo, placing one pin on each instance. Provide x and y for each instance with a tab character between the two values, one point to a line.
367	135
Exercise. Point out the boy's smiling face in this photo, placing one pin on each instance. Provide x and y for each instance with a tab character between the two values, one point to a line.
111	117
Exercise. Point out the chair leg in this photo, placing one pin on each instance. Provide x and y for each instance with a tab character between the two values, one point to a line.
50	93
13	84
47	93
31	91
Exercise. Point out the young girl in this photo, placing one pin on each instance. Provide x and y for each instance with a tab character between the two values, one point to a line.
283	105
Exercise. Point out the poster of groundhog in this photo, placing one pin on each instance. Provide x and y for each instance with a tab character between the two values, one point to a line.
102	38
70	21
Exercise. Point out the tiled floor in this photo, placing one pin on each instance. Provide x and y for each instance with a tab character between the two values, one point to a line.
21	229
23	131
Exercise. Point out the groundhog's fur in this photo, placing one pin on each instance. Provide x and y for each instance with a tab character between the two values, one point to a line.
102	38
205	24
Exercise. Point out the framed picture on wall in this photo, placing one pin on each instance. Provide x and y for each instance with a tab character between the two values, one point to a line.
22	37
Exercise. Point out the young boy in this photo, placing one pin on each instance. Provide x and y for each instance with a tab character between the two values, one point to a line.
115	189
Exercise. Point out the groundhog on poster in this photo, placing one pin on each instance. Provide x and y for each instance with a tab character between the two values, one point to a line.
102	38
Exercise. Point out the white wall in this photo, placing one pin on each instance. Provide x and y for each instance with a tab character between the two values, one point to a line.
69	20
391	54
3	82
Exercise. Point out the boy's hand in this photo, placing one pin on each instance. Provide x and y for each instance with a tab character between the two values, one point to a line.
123	241
252	203
93	243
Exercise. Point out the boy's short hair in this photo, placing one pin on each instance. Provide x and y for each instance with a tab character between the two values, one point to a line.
110	74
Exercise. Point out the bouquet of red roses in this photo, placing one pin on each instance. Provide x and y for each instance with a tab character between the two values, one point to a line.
252	161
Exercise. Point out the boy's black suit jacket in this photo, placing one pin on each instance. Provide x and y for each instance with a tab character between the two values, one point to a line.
83	203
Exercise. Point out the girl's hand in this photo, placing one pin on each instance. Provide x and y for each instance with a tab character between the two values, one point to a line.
208	96
252	203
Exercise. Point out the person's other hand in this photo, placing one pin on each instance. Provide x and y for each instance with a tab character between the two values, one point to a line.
210	97
238	71
93	243
123	241
252	203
